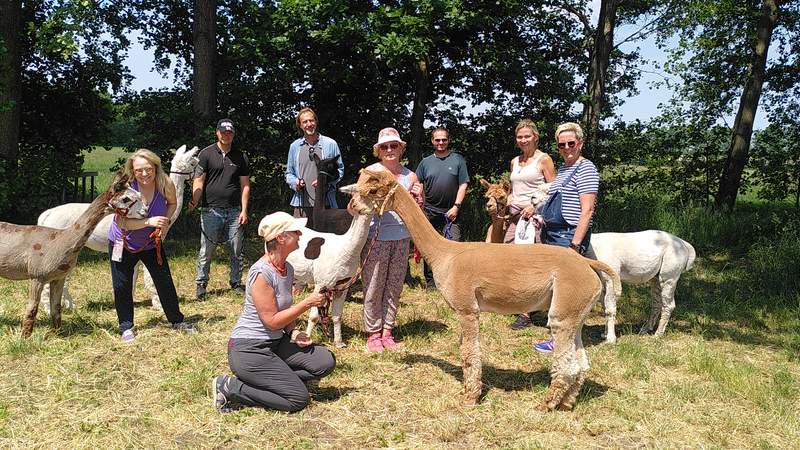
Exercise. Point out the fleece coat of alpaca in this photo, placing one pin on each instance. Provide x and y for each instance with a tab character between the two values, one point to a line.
475	277
46	255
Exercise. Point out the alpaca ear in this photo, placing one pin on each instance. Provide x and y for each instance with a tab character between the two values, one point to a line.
484	183
349	189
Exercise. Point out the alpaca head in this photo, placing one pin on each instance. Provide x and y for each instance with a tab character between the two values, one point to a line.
328	167
496	197
373	193
540	194
124	200
185	162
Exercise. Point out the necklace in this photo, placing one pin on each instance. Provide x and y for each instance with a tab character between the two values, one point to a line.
281	271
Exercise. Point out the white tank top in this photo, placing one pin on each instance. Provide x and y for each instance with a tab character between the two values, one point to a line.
524	180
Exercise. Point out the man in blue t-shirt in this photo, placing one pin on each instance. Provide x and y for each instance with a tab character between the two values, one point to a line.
444	179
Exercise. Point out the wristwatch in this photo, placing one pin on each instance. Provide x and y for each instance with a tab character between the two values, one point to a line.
575	247
457	205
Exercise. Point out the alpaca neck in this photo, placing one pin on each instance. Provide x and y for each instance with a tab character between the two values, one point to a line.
430	243
79	233
355	237
319	192
178	180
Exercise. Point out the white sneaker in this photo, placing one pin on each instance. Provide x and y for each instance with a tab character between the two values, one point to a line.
128	336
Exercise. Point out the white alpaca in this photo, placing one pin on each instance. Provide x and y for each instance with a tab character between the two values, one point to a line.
338	261
651	256
182	168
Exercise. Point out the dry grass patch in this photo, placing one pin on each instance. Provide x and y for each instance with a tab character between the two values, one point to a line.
696	387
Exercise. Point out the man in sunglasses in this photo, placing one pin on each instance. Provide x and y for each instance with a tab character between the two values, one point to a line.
444	179
301	172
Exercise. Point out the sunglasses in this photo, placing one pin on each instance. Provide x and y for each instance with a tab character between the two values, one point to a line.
441	140
393	146
570	144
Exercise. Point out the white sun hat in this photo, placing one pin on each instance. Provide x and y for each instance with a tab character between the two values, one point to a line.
278	222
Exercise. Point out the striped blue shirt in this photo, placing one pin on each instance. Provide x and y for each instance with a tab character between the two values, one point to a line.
585	181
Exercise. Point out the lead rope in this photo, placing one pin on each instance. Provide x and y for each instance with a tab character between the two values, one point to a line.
156	236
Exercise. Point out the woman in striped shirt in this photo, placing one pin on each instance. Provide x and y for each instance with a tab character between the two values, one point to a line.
577	181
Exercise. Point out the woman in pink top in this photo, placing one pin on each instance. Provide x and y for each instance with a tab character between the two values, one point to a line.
528	170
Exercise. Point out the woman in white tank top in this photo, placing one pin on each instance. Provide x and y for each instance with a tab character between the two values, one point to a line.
528	170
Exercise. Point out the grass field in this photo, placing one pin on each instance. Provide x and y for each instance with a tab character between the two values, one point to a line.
100	160
725	375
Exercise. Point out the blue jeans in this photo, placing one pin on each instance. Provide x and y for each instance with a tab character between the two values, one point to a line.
122	281
220	226
562	236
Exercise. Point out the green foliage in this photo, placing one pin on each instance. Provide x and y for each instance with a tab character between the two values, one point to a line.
776	162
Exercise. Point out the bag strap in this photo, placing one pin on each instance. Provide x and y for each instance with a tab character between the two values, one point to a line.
570	176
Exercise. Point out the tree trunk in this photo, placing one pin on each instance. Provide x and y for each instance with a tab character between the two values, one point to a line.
204	86
598	69
10	88
738	152
421	99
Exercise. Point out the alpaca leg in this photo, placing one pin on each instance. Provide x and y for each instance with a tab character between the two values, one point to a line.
568	402
667	303
34	296
610	307
67	302
56	289
471	357
336	313
565	368
44	300
655	307
155	301
313	318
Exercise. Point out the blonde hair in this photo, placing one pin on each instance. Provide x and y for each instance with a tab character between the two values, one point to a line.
528	123
300	113
570	126
161	178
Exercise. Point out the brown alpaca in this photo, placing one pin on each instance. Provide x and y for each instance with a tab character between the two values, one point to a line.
46	255
503	279
497	207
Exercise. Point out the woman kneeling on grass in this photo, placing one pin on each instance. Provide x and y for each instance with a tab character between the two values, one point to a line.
270	358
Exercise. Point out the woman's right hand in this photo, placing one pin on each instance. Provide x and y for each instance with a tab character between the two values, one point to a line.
157	221
315	299
527	212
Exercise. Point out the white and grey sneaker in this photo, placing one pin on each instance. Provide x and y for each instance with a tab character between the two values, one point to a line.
218	399
185	327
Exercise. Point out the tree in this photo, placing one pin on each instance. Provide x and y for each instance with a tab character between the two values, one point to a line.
743	125
10	69
204	86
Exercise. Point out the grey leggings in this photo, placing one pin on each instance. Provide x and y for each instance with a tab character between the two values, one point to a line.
272	373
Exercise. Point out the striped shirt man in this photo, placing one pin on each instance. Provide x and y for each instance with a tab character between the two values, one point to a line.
585	181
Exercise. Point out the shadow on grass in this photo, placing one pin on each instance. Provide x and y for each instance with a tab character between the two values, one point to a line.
329	393
509	380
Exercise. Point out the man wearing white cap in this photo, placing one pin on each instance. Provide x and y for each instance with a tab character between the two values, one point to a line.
270	358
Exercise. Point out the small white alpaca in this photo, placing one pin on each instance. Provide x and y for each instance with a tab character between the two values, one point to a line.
182	168
338	261
650	256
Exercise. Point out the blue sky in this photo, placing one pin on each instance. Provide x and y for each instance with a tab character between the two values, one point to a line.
643	106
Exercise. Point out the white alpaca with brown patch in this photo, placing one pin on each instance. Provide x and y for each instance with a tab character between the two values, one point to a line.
477	277
46	255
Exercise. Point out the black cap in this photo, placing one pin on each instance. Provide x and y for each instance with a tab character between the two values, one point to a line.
225	125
